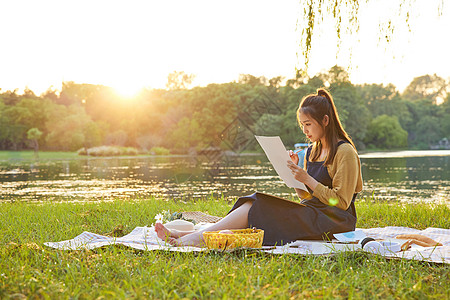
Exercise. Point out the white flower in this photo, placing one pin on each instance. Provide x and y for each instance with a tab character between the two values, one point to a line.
159	218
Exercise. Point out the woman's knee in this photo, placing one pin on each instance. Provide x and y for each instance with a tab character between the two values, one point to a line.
245	207
248	204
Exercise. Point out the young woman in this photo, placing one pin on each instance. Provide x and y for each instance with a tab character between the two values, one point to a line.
332	175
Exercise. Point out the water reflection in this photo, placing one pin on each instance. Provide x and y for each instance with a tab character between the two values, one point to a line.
393	178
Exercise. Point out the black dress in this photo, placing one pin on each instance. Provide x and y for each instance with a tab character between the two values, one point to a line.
284	221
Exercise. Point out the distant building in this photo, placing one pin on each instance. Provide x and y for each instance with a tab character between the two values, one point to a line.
443	144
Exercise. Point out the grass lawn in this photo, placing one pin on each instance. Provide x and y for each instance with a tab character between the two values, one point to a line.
29	155
29	269
57	155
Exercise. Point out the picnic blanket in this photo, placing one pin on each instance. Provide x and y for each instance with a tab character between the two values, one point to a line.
141	238
145	238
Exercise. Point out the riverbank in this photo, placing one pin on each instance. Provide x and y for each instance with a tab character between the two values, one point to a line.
59	155
30	155
30	269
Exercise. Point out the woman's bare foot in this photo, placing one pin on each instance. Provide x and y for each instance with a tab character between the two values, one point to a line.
162	232
176	238
165	234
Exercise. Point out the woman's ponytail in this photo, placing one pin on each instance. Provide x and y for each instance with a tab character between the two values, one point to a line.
317	107
324	93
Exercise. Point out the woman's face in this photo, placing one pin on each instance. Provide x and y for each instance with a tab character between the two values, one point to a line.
311	128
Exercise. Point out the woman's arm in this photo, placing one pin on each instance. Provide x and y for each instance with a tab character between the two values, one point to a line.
346	175
302	176
302	194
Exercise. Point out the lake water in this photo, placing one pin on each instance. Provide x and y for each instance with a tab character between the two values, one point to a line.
401	176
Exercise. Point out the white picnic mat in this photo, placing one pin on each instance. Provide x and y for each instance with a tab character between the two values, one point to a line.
145	238
142	238
439	254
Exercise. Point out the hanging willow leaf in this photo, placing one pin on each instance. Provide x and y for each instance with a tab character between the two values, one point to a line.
345	13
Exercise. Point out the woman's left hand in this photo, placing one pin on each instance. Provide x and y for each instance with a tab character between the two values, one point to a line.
299	174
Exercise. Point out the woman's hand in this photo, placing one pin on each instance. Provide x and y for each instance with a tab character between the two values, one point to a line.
299	174
302	176
293	156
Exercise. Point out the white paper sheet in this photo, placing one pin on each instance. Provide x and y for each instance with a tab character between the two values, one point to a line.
277	154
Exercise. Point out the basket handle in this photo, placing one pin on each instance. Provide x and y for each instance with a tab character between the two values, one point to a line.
226	244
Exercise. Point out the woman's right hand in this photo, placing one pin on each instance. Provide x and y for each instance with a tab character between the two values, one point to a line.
293	156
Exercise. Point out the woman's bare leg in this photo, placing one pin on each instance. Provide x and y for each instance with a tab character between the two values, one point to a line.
237	219
164	233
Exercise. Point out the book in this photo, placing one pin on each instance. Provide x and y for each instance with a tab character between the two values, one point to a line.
278	156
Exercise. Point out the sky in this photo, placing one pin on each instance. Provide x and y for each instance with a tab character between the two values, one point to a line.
130	45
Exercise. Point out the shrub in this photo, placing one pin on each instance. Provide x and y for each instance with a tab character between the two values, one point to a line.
108	151
159	151
128	151
82	151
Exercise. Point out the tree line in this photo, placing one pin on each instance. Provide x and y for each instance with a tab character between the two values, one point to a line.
182	119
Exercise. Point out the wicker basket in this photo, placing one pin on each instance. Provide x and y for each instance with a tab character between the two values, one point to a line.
248	238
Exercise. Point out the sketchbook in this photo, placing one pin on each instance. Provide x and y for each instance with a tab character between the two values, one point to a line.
278	157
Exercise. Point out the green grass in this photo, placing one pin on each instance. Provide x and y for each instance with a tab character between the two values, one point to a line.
49	155
43	155
58	155
27	268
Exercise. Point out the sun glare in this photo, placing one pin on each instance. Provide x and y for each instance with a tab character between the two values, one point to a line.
127	91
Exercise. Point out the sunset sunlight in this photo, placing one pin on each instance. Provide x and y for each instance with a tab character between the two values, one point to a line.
136	45
224	149
127	91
